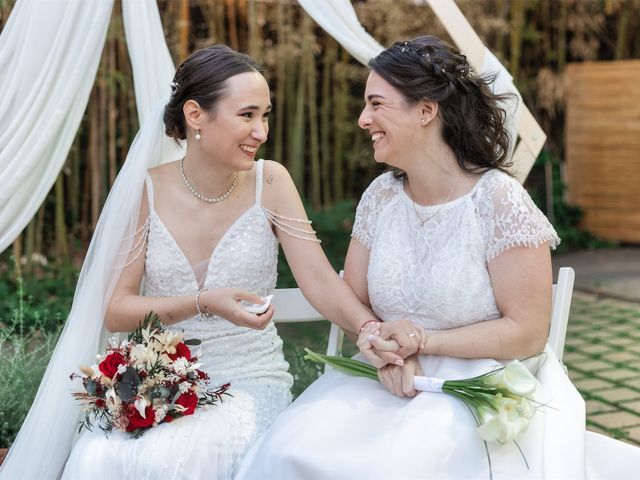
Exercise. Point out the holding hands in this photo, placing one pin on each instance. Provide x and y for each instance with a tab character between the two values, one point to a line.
392	347
385	343
399	379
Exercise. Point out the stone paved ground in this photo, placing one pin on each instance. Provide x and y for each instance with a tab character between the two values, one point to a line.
602	354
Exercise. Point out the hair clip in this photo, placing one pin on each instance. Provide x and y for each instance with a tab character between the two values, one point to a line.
174	87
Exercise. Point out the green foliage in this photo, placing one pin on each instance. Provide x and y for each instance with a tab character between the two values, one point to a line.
42	300
25	350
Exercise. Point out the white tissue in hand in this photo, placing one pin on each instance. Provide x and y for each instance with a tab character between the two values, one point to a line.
259	308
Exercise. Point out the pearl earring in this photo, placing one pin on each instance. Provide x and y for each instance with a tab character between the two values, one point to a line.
198	136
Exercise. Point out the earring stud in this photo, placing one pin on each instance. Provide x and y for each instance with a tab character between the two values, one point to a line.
198	136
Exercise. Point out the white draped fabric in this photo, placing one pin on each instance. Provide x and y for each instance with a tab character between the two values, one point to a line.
49	55
47	434
150	58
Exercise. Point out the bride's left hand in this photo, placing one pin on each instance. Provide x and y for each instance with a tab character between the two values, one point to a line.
399	379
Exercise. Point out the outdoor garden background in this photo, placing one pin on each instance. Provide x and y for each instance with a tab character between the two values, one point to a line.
317	95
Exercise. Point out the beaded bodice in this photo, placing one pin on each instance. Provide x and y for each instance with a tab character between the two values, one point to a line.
436	274
245	257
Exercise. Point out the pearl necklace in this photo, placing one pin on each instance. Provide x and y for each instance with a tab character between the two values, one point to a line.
202	197
415	209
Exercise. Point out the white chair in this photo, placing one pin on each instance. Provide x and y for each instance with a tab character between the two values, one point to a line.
291	306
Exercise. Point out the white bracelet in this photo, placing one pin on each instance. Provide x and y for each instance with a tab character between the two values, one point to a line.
206	313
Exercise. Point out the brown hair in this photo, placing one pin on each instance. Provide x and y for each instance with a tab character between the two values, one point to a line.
203	77
473	122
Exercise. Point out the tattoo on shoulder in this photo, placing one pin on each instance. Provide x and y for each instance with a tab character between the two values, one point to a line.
270	179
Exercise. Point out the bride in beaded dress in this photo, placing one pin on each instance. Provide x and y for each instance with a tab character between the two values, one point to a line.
460	284
206	243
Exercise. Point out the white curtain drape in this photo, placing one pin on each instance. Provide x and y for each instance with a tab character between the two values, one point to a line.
151	61
49	55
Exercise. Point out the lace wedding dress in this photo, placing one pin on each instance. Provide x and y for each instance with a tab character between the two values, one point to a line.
351	428
210	443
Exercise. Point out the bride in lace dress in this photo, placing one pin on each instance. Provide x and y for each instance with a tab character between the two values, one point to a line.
453	256
207	240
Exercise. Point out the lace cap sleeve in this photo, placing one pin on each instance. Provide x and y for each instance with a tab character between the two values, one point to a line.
510	218
379	192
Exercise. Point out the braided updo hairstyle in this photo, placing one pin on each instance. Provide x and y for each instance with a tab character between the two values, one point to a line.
473	122
203	77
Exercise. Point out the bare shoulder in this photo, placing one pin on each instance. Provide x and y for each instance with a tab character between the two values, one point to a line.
163	174
278	187
274	171
276	177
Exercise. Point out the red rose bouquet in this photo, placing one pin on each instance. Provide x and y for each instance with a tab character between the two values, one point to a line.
150	378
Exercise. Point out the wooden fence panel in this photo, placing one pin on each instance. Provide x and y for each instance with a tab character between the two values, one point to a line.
603	146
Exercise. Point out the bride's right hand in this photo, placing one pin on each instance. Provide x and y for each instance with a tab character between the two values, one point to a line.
378	352
225	303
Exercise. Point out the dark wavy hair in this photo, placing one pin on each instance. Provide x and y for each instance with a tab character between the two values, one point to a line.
473	122
203	77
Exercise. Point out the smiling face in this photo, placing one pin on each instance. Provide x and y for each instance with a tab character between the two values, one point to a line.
395	127
239	124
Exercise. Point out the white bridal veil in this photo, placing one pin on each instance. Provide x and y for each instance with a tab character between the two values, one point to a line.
48	431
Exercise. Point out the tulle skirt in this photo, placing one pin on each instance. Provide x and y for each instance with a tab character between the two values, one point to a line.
351	428
206	445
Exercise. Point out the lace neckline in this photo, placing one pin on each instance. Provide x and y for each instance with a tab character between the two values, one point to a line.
444	206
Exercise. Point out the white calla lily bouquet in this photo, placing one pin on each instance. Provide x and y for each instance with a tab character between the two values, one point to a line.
501	400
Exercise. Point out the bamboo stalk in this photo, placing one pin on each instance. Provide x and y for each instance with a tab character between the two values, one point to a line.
112	113
517	23
62	252
314	145
341	107
562	36
17	254
329	59
221	28
38	241
30	244
209	9
296	159
281	60
92	164
503	12
183	25
232	23
73	192
622	42
253	29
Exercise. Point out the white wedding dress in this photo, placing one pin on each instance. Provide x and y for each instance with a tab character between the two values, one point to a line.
210	443
351	428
